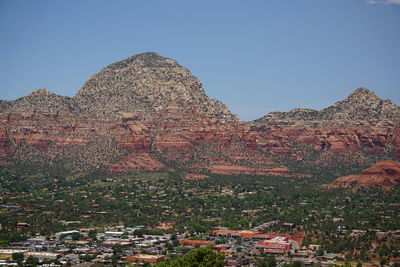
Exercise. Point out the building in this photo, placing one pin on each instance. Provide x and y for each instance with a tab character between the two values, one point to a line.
276	245
141	258
66	233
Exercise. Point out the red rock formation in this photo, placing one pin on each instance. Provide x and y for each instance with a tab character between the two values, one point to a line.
385	174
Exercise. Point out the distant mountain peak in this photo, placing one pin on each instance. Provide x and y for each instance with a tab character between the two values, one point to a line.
41	91
365	94
147	85
361	105
362	91
148	59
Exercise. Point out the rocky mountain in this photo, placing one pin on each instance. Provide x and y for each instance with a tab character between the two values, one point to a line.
148	85
385	174
147	112
360	105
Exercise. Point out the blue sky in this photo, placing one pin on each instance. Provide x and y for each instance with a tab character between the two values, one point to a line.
255	56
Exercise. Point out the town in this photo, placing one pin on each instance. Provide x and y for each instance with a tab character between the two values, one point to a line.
124	245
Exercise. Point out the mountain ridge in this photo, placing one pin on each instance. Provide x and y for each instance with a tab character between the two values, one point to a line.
147	112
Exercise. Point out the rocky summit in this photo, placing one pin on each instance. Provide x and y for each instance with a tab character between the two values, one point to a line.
147	112
147	85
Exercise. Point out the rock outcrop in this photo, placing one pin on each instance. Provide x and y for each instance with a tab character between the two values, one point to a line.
385	174
147	112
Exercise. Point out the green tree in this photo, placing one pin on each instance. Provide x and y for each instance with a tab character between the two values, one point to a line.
267	262
76	236
93	234
201	257
298	264
18	257
32	261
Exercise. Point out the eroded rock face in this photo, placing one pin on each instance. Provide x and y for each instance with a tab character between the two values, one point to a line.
385	174
149	113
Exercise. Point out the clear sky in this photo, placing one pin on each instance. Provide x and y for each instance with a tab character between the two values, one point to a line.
256	56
